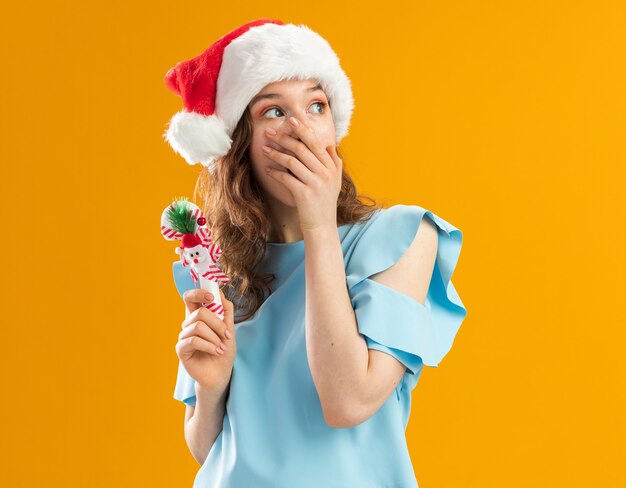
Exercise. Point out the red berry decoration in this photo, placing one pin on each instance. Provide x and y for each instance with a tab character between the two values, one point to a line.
201	221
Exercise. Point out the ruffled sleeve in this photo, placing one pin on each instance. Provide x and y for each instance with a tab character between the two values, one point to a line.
391	321
185	385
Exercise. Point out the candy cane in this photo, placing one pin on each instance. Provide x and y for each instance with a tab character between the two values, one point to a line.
208	276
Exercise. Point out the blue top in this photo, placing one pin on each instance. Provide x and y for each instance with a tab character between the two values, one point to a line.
274	433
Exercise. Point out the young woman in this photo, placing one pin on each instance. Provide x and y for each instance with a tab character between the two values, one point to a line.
340	304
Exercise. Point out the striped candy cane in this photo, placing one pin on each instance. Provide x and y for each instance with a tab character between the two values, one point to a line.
206	274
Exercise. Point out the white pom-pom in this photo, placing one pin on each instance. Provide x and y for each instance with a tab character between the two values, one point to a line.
198	138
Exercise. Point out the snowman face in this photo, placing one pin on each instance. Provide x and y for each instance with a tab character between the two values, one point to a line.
196	255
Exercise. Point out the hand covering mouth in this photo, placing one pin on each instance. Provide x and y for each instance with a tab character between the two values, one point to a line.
283	169
283	150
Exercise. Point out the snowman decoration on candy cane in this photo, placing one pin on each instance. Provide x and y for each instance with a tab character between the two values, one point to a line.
182	220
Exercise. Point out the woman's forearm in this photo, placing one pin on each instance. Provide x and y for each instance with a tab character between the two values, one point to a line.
337	353
202	429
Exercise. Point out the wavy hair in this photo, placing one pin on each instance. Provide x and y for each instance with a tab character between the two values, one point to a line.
237	215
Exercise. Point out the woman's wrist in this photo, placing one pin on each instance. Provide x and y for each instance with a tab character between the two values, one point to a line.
320	233
213	393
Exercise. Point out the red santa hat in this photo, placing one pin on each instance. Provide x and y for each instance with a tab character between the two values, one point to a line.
217	85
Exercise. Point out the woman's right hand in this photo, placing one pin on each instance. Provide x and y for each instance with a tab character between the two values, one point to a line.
198	343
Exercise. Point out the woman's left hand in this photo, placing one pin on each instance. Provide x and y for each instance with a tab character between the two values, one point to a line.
317	175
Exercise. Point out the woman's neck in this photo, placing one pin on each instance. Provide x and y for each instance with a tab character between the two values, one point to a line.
285	224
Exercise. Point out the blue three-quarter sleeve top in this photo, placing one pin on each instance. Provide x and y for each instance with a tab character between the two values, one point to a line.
274	434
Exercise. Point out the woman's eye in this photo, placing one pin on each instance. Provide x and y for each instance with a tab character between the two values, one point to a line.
321	104
273	108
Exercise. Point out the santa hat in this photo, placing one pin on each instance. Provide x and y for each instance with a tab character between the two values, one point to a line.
217	85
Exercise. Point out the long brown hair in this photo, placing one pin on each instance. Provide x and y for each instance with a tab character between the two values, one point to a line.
233	204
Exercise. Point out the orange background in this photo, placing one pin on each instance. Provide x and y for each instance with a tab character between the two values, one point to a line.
507	119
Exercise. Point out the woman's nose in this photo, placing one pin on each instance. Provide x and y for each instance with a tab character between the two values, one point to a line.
287	128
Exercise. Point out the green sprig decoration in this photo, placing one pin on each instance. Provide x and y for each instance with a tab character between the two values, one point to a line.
181	217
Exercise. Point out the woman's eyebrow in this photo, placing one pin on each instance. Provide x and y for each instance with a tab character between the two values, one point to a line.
265	96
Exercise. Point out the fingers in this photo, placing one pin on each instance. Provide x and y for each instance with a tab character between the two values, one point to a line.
305	143
224	328
333	154
209	319
187	346
195	298
229	318
201	337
